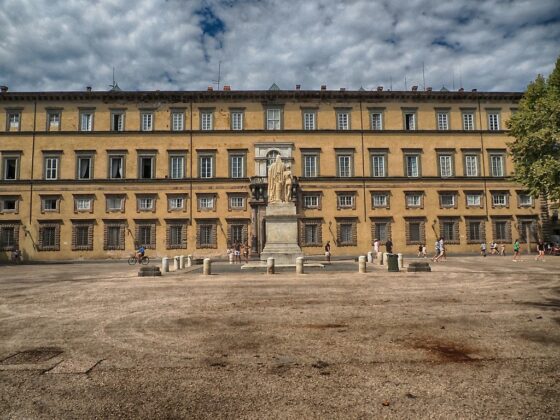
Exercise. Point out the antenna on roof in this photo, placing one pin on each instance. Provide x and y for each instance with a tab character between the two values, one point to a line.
391	88
423	78
217	82
460	80
114	86
405	87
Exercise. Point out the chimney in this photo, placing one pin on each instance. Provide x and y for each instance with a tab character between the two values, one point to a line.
210	88
298	87
380	88
323	87
429	89
88	88
3	89
474	90
227	87
414	88
461	90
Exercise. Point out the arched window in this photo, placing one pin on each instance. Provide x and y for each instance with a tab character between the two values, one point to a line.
271	158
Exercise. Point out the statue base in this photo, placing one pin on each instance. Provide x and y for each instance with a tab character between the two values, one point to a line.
281	233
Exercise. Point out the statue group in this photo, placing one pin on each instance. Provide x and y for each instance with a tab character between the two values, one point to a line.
280	182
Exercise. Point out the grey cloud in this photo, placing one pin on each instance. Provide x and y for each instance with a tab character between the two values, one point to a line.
157	44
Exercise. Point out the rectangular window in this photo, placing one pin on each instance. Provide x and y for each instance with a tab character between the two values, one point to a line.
501	230
449	230
410	121
414	231
528	227
237	165
309	120
176	236
237	202
82	204
445	166
176	167
237	120
525	200
49	203
475	231
468	121
49	239
13	120
310	165
474	200
146	169
53	120
380	200
311	234
499	199
146	121
344	166
206	166
206	235
345	201
114	236
273	118
442	121
146	204
86	121
177	121
342	120
84	170
497	165
346	234
471	165
376	120
176	203
51	168
311	201
412	166
447	200
8	204
378	166
381	230
236	234
413	200
206	203
117	120
10	167
116	167
9	237
206	120
82	236
493	121
115	203
146	235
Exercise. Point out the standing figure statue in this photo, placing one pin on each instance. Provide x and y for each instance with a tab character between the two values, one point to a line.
287	176
276	181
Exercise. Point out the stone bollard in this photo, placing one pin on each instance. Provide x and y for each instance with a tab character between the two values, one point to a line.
401	261
362	264
299	265
207	267
181	262
189	260
270	265
165	265
385	257
176	263
380	257
230	256
370	257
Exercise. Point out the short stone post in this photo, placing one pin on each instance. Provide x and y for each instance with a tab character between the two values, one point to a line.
189	260
181	261
165	265
362	264
370	257
230	256
385	259
270	265
176	263
401	261
207	267
299	265
380	257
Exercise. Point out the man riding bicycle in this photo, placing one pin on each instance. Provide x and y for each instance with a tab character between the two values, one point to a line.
140	253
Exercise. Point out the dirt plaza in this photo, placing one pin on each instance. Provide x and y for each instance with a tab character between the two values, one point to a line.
475	338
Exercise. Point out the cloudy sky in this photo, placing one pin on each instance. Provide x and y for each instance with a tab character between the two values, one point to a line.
495	45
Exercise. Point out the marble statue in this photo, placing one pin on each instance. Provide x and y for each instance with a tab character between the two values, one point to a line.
287	177
276	181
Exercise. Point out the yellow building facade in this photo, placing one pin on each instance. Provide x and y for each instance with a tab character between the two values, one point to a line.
88	175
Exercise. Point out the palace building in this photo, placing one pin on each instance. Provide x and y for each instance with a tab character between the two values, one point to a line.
87	175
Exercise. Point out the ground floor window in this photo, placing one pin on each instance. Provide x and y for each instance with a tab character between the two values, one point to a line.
475	231
528	226
311	232
415	231
237	232
146	235
347	232
9	237
380	229
49	237
114	235
176	235
501	230
82	236
449	230
206	234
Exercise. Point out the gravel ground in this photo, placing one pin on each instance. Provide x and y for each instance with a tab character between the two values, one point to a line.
475	338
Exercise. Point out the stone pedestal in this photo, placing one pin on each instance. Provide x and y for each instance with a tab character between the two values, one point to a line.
281	234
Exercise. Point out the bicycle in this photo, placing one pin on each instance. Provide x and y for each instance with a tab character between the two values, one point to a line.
134	260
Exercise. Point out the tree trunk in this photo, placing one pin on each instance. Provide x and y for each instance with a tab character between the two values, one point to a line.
545	217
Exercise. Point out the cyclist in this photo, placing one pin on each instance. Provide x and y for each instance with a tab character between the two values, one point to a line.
140	253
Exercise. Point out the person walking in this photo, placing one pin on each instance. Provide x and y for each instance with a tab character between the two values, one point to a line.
441	248
493	248
376	244
328	252
502	250
389	246
436	249
483	249
237	252
540	251
246	250
516	250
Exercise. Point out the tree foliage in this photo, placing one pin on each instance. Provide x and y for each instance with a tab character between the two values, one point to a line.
536	129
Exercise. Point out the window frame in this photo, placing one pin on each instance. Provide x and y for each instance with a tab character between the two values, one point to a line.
212	159
277	124
152	157
170	226
314	154
376	154
177	155
309	195
237	154
86	224
341	200
55	246
142	201
504	194
439	121
304	113
417	156
406	123
315	223
78	197
344	153
471	154
9	198
116	155
7	157
121	197
497	154
206	119
13	112
144	127
468	124
172	121
90	125
49	124
84	156
171	197
46	167
209	198
381	113
448	154
408	194
480	195
121	113
493	125
343	125
232	119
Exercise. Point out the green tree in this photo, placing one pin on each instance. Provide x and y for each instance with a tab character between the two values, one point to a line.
536	148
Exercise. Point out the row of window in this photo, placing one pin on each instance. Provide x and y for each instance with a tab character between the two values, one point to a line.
273	119
237	161
415	230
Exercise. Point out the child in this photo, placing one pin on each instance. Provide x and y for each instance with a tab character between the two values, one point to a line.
483	249
516	250
502	250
